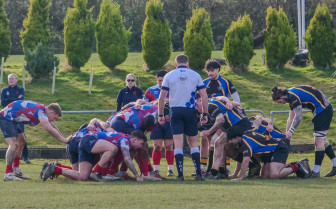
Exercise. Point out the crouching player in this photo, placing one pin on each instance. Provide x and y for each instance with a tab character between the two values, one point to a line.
273	152
107	144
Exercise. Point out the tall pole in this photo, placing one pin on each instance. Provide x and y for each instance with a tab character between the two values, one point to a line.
53	81
299	23
303	24
91	78
2	65
23	77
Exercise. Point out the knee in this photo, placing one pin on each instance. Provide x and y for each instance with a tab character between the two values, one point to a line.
82	177
157	147
169	147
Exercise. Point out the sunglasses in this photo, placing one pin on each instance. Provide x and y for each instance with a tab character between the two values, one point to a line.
129	80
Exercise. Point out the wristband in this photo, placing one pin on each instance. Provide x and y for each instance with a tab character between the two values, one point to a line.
291	129
160	115
204	114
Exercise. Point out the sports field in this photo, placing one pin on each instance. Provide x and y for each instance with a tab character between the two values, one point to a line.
291	192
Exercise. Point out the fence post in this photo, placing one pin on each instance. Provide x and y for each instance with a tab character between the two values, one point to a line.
53	81
2	65
23	77
91	78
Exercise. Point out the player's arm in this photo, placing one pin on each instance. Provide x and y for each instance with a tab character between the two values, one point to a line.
205	113
103	124
218	123
129	162
162	99
235	97
229	104
294	120
243	169
52	129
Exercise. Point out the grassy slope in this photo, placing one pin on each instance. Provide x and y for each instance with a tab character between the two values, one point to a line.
72	91
253	193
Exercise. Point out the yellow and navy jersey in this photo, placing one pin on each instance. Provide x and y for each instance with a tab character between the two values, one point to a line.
219	87
275	133
254	143
309	97
231	117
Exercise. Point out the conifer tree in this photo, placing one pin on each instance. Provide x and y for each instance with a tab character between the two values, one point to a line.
5	42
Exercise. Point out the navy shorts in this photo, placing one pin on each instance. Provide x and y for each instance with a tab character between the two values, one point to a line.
281	152
184	120
10	128
85	147
120	125
322	121
162	132
72	149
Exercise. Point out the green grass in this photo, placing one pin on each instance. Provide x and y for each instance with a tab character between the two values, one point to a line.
291	192
72	91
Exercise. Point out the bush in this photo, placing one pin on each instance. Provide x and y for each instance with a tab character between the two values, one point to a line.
36	25
5	42
238	44
280	39
78	34
197	40
320	38
111	35
156	36
40	61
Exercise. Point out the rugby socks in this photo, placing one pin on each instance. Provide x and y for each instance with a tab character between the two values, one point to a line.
228	163
319	155
16	163
204	162
195	156
331	154
211	153
9	169
178	154
170	159
105	171
222	169
294	166
97	169
64	166
214	171
58	171
156	156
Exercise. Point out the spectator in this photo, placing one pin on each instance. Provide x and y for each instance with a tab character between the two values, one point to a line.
130	93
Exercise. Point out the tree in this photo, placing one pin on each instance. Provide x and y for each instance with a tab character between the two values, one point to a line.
280	39
238	44
320	36
197	40
111	35
5	42
36	25
78	34
156	36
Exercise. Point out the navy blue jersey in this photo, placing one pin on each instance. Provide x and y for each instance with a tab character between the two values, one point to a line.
219	87
11	94
127	95
275	133
309	97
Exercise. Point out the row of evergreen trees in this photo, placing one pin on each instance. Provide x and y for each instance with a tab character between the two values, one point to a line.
112	38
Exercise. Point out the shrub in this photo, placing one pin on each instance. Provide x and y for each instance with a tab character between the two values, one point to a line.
238	44
78	34
156	36
36	25
111	35
5	42
40	61
280	39
197	40
319	37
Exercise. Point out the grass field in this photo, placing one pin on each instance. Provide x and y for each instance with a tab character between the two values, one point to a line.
72	91
291	192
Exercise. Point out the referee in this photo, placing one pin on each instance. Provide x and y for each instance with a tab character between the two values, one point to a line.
182	84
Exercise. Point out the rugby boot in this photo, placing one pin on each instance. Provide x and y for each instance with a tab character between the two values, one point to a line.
199	178
332	172
27	160
18	173
44	166
11	177
48	172
181	178
96	176
151	177
304	169
110	177
157	174
170	173
222	176
315	175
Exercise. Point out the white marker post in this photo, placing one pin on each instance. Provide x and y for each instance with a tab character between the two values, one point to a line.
53	81
23	77
2	65
91	78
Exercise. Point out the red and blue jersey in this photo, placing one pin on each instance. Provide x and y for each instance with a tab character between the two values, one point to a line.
26	112
153	93
119	139
136	117
85	132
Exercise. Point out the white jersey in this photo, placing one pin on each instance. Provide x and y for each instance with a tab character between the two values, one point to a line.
182	84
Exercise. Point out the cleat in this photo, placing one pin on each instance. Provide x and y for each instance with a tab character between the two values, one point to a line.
110	177
181	178
170	173
156	174
304	169
11	177
332	172
27	160
151	177
315	175
20	175
199	178
211	177
127	177
48	172
222	176
96	176
45	165
195	174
